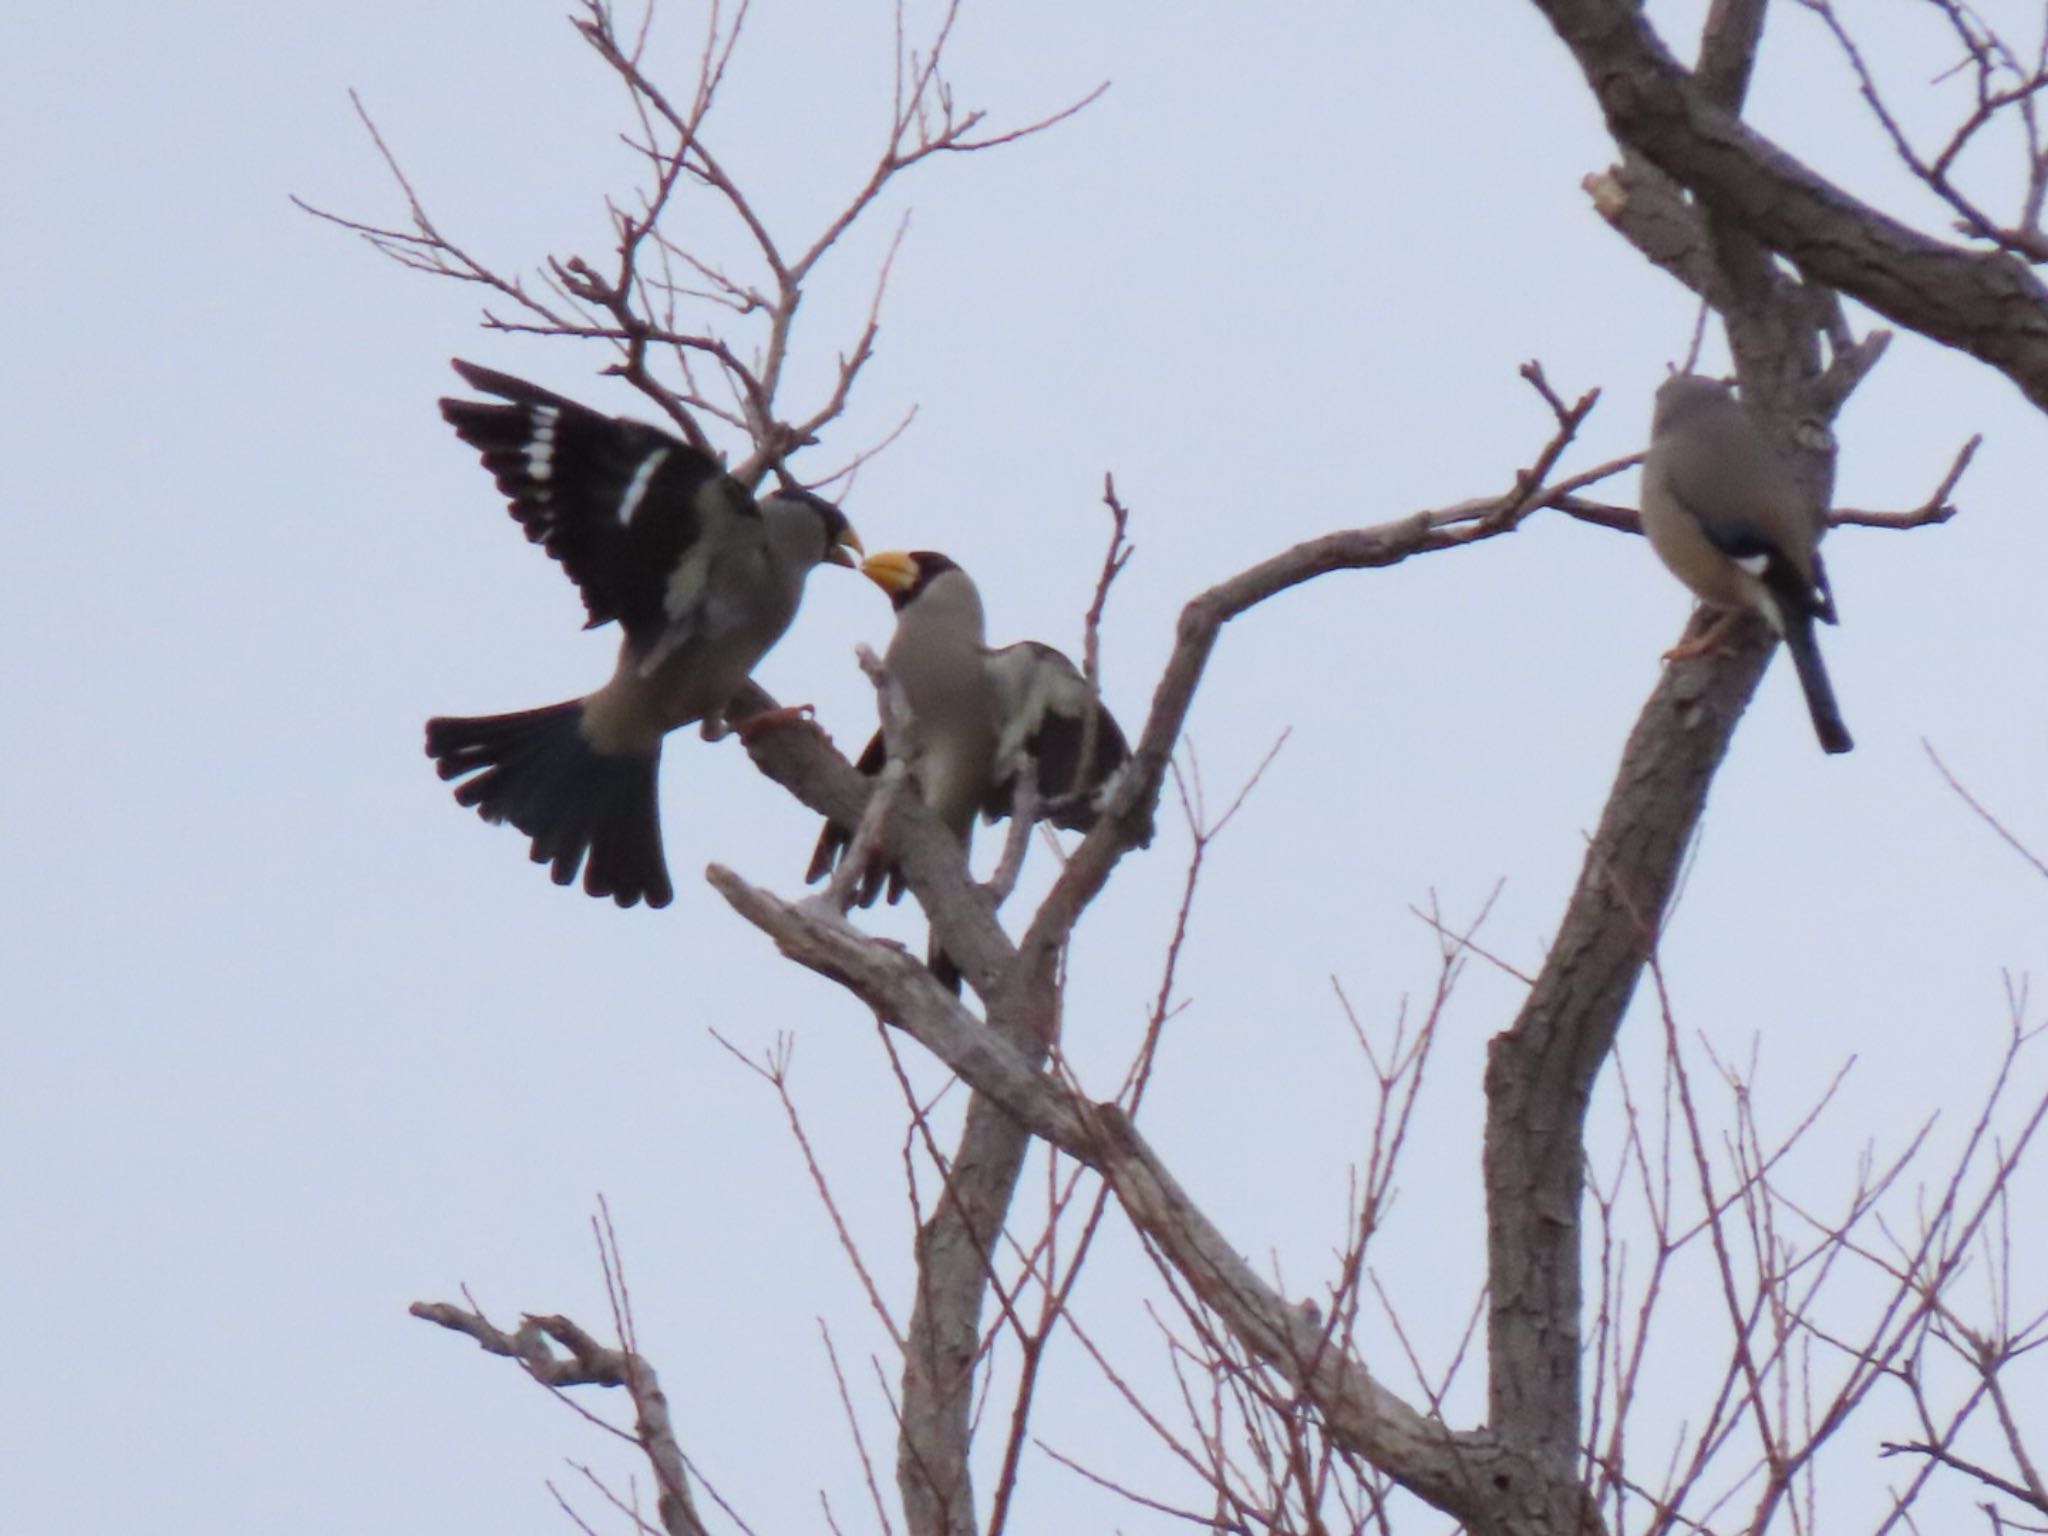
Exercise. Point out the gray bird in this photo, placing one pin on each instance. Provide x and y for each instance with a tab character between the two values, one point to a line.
976	718
702	579
1724	511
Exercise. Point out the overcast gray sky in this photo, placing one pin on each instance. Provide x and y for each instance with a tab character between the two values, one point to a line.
292	1040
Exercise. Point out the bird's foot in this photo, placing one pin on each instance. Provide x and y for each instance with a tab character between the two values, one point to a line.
772	720
1709	639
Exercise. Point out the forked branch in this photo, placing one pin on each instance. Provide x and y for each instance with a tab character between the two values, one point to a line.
585	1362
634	299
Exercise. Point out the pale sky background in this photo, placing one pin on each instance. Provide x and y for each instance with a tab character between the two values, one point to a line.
292	1040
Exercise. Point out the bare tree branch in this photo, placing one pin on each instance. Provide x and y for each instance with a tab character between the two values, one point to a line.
1985	303
1988	59
1991	821
1462	1474
1983	1475
632	300
589	1363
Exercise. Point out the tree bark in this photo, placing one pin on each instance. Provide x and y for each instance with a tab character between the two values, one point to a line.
1540	1072
1987	303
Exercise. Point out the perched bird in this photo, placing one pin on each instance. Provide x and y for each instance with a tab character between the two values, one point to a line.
702	580
1723	510
976	718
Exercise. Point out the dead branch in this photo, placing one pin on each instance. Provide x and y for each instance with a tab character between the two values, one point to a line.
867	1462
1937	508
1446	1469
1024	808
633	299
1129	814
1993	822
1983	302
1984	1475
587	1363
775	1072
1988	59
1114	559
1057	1287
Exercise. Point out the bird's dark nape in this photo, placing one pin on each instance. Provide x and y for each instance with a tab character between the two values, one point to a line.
582	808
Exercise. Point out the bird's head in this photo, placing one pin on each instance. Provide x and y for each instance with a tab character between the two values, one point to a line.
846	547
842	544
1686	397
903	574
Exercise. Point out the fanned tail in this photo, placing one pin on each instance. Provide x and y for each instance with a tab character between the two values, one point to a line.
535	769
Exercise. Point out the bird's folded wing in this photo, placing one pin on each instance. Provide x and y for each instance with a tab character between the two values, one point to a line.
1044	710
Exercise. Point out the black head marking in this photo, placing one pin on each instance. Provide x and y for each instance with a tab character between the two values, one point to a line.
931	565
828	512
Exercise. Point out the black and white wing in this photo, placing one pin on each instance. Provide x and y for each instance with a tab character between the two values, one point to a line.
1047	713
636	517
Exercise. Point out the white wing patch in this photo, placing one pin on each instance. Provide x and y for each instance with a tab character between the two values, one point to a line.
636	490
540	448
684	594
1768	605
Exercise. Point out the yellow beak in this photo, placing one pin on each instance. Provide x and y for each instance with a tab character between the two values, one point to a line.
894	571
844	551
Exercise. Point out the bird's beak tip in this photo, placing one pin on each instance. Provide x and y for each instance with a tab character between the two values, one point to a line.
847	551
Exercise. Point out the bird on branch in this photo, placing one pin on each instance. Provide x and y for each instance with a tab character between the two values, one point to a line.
702	579
1725	512
981	723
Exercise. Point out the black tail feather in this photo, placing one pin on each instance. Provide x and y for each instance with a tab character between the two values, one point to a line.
1813	681
1797	603
943	970
826	853
834	840
535	769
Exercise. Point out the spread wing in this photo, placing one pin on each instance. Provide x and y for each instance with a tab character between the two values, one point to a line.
633	514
